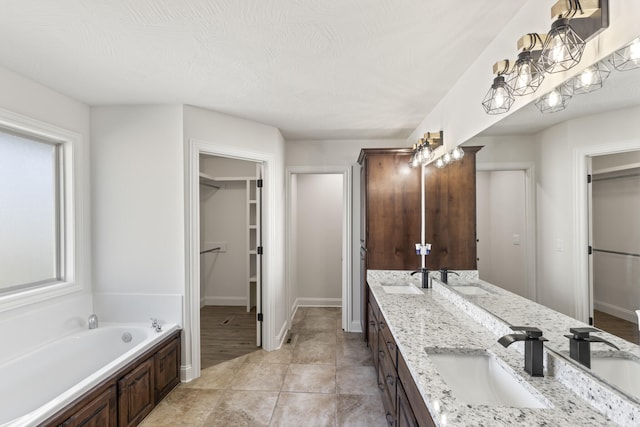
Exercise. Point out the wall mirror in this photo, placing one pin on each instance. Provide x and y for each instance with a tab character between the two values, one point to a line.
598	133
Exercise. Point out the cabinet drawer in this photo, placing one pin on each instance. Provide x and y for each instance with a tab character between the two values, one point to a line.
418	407
389	376
388	342
372	336
387	402
374	306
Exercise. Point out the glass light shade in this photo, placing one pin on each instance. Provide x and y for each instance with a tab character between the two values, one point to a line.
427	155
592	78
526	76
556	100
415	160
499	98
562	50
457	153
439	163
446	158
628	57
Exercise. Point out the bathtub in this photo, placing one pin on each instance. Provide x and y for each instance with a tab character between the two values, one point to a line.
36	385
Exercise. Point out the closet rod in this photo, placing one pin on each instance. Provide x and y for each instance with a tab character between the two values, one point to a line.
210	185
209	250
617	252
606	178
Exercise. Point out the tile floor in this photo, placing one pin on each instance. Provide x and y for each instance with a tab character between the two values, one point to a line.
324	377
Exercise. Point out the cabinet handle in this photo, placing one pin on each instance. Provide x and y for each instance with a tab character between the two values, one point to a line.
381	386
390	380
390	419
391	346
381	352
382	325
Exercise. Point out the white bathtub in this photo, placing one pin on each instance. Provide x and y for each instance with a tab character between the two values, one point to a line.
36	385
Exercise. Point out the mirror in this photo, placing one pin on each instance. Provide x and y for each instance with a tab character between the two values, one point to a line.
551	151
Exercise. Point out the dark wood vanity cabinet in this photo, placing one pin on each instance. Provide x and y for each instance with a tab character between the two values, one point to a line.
167	368
136	394
403	404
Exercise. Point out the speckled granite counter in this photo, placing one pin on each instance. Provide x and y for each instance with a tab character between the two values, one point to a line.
440	318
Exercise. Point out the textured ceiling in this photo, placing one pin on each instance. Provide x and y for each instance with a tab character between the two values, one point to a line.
313	68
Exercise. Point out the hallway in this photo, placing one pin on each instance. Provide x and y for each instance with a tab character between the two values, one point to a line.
323	377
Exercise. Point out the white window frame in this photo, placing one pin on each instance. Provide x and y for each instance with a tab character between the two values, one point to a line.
69	145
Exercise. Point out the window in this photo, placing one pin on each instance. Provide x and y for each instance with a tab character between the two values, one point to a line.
31	212
43	220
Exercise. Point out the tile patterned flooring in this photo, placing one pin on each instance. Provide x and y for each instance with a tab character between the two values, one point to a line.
324	377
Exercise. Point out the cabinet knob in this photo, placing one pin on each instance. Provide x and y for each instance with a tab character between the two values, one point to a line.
381	354
390	380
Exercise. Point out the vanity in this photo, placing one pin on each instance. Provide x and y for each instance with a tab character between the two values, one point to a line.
439	362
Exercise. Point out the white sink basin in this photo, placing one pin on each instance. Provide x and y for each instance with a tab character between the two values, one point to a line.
470	290
620	372
479	379
401	288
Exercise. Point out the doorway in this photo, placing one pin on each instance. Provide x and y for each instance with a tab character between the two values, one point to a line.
230	270
505	212
615	236
318	240
192	301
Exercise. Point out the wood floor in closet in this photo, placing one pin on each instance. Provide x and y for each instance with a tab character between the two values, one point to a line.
616	326
226	333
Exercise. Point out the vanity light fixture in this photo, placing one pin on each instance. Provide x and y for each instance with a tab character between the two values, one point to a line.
457	153
556	100
628	57
499	98
590	79
577	22
439	163
527	75
423	150
563	48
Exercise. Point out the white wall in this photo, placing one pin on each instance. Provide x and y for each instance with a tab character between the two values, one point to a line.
318	238
501	229
232	133
37	323
138	205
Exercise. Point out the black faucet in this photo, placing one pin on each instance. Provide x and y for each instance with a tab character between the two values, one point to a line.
580	343
533	344
425	276
444	274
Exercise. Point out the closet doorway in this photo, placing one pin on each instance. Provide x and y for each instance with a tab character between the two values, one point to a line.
615	237
230	261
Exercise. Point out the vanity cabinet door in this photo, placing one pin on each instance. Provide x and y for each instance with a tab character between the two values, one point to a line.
405	413
136	394
372	335
98	412
412	395
167	368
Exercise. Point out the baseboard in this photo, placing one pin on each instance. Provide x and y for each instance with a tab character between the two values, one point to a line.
231	301
356	327
318	302
186	373
281	336
614	310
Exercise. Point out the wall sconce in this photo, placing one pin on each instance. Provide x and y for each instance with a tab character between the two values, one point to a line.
499	98
590	79
628	57
449	157
556	100
527	76
423	150
578	21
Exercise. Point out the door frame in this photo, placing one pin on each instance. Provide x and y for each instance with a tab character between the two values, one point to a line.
530	215
191	303
347	285
583	286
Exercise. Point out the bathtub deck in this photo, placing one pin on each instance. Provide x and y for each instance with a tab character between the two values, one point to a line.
226	333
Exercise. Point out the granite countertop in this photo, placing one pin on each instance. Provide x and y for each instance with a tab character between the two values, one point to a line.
439	319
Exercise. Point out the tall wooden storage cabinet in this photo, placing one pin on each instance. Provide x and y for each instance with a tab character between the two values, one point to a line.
390	214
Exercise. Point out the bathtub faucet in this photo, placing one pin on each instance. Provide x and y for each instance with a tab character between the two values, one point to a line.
93	321
155	324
